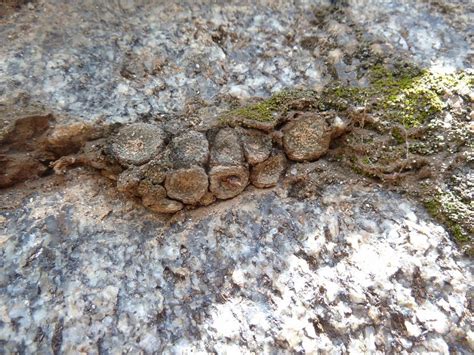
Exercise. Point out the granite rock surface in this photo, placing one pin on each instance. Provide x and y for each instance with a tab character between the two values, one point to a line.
327	261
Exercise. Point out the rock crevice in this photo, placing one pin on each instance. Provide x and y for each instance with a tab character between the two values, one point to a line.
167	172
196	168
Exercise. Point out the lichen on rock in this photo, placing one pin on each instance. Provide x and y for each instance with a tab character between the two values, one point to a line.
228	181
188	149
375	130
267	114
226	148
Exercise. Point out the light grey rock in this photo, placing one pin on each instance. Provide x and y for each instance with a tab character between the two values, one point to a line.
355	270
153	59
250	269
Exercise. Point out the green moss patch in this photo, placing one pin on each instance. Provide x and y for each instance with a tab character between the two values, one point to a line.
409	103
271	109
404	94
447	209
399	133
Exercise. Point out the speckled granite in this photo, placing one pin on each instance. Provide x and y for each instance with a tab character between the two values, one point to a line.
123	62
352	268
345	272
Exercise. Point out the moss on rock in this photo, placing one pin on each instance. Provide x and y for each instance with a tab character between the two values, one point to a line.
411	129
269	112
404	93
447	209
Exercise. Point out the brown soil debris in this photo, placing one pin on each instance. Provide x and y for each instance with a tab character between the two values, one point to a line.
19	167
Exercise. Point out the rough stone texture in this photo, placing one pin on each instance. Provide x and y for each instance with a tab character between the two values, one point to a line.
129	180
187	185
179	53
355	269
162	205
268	173
7	7
155	170
17	168
207	199
154	198
349	269
147	188
97	155
339	126
181	164
68	139
229	174
306	138
228	181
137	143
21	129
265	126
21	132
257	145
184	160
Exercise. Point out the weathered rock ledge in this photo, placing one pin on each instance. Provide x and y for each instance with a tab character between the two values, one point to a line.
168	172
196	168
